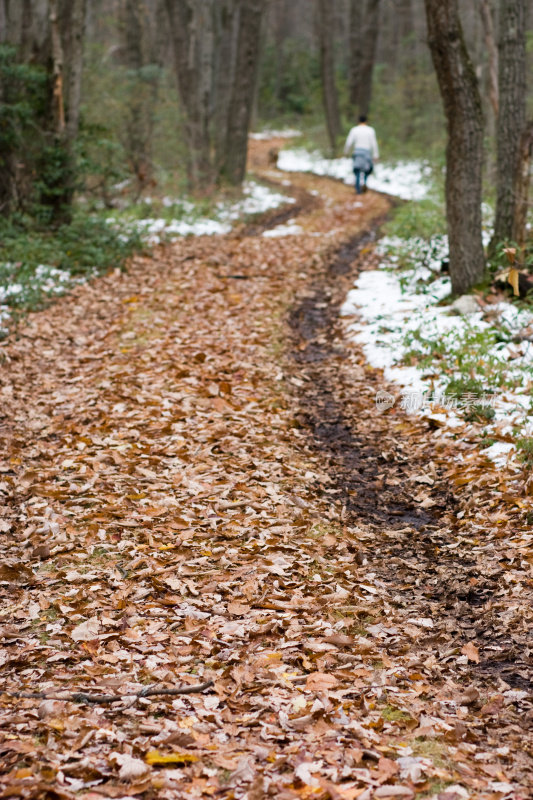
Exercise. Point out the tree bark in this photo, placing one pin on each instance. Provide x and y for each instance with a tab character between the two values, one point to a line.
226	32
242	95
327	68
76	39
512	113
521	185
368	55
58	101
143	88
191	31
3	21
464	152
492	51
355	54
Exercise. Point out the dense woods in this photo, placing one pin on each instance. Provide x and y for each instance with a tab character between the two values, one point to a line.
139	94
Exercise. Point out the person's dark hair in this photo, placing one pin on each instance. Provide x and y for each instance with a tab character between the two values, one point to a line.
363	118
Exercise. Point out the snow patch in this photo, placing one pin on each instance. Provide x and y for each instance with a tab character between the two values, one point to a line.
283	230
285	133
388	306
46	280
408	179
256	200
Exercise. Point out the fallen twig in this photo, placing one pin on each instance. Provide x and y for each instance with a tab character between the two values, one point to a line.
83	697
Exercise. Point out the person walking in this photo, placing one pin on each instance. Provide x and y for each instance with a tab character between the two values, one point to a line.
363	146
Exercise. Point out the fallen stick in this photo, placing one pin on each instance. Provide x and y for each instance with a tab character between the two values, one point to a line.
83	697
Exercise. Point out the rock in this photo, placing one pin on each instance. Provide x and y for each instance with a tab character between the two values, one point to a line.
466	304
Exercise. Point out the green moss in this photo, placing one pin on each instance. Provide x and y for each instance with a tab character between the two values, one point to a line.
393	714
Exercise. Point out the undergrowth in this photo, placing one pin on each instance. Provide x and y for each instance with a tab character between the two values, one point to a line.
471	361
37	264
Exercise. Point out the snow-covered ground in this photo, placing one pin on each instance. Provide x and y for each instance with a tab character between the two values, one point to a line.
181	219
256	200
287	229
46	280
398	321
408	180
285	133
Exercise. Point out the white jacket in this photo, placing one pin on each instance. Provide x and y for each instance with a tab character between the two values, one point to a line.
362	136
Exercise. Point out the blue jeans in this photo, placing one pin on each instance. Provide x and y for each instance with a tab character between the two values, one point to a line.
358	173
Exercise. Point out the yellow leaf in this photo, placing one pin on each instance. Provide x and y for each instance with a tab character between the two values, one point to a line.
512	278
23	772
154	757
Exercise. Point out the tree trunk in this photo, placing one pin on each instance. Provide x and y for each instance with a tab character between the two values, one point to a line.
464	152
408	63
355	55
280	34
368	55
242	96
58	102
405	20
226	32
216	53
143	88
492	50
74	62
512	113
521	185
327	69
191	32
3	21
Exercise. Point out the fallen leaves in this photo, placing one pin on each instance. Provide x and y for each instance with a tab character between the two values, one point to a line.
86	631
320	681
155	758
471	652
130	767
173	525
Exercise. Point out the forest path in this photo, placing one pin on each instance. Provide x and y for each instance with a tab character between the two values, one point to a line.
198	487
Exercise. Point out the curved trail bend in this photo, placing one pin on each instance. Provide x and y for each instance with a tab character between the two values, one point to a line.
197	487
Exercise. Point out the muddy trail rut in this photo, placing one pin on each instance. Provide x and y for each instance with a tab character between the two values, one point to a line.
200	494
376	474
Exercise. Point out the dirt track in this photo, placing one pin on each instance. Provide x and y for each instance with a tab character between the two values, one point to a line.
198	486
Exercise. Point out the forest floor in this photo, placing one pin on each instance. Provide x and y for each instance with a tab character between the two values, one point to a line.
200	491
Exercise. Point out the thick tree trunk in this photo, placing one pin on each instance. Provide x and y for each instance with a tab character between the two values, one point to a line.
512	113
191	31
521	185
368	55
464	153
242	96
327	68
